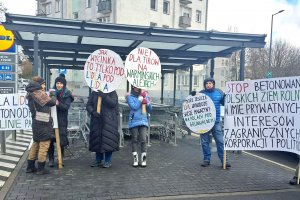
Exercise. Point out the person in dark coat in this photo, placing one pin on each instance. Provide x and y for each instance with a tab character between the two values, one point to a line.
39	101
64	100
104	135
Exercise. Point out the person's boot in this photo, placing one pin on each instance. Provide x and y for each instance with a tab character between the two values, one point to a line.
143	160
31	166
293	181
41	169
135	159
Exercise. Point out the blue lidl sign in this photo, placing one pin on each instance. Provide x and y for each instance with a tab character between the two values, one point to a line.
8	77
1	77
6	68
62	71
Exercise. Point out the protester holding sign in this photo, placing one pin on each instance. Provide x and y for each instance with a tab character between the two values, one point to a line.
138	123
104	135
39	104
64	100
217	97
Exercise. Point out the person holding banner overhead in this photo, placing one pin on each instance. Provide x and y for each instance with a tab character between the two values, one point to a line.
104	135
217	96
138	123
64	100
39	104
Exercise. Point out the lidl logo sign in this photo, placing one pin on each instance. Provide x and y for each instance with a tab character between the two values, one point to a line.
6	39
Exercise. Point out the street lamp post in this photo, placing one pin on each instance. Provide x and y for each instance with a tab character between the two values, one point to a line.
270	51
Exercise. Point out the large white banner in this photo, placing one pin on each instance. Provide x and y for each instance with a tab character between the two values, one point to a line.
14	112
263	115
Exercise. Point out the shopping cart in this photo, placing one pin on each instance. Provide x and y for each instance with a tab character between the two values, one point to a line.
77	126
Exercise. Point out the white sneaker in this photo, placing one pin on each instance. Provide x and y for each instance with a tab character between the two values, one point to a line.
143	158
135	159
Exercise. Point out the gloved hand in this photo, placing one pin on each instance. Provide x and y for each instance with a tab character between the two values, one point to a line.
95	114
145	101
193	93
144	93
102	94
52	92
140	98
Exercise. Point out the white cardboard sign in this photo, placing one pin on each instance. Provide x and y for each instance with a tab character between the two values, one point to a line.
263	115
104	70
142	68
199	113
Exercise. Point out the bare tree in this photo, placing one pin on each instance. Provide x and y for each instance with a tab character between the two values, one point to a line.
285	61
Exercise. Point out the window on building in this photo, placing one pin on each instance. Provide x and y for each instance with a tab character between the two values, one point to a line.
87	3
165	26
57	5
104	19
166	7
153	24
222	72
196	80
47	8
198	16
153	4
75	15
186	11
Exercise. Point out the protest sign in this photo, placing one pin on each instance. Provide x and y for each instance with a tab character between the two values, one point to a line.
263	115
104	70
14	112
199	113
142	68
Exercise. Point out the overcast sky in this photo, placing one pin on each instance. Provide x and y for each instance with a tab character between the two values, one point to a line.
243	16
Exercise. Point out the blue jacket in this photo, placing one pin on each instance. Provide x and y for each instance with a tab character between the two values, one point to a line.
217	96
136	117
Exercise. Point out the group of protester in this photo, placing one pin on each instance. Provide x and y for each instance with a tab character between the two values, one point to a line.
104	136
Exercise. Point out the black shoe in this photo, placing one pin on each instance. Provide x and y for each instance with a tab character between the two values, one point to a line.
31	166
96	164
205	164
293	181
41	169
227	166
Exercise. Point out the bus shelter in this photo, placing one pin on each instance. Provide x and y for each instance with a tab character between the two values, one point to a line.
53	43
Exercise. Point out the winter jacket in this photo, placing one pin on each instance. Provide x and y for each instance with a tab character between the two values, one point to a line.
217	96
104	135
42	131
62	115
136	117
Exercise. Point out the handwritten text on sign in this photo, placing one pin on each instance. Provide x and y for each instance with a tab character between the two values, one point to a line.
14	112
143	68
104	70
199	113
263	115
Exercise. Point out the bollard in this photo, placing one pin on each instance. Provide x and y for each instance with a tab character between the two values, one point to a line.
121	141
22	131
14	135
3	146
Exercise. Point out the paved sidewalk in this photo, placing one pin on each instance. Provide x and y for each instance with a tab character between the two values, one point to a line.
172	172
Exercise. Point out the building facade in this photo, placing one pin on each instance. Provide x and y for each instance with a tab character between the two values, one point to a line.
179	14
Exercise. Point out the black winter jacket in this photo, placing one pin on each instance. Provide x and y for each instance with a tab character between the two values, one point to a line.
42	131
62	116
104	135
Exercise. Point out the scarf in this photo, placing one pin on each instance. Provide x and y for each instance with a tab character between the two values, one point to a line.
40	97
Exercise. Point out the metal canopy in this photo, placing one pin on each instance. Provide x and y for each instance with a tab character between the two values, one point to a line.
68	43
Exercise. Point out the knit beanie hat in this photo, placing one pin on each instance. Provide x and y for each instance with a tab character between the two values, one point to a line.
209	80
39	80
61	80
